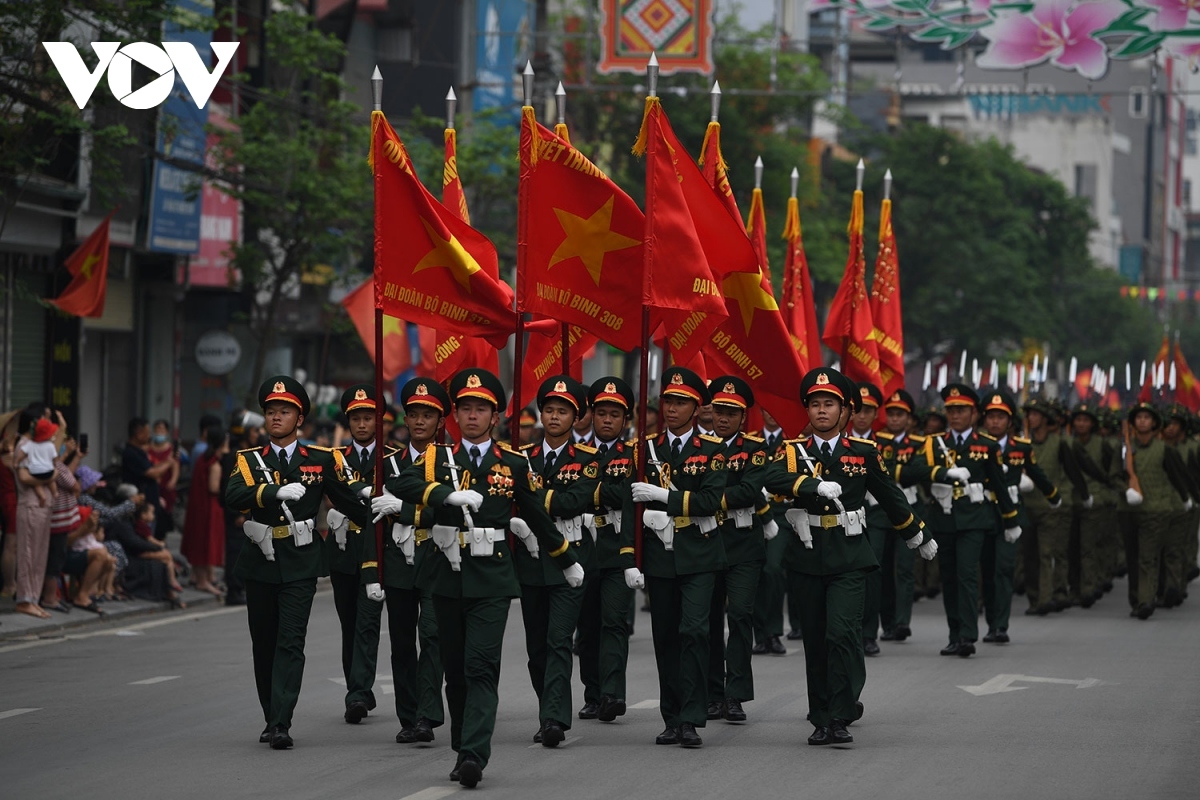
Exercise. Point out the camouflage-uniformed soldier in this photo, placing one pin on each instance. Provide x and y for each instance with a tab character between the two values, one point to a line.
681	551
278	488
472	488
1173	584
1097	524
898	447
828	476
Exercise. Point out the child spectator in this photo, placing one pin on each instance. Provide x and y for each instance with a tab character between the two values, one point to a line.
36	454
143	520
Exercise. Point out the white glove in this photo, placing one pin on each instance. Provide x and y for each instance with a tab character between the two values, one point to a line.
1133	497
648	493
365	492
1188	505
928	549
634	578
375	592
465	497
522	531
290	492
1025	484
915	541
387	503
961	474
1012	534
574	576
1091	501
770	530
830	490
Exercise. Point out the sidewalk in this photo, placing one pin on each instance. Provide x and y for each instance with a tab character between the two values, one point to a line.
22	626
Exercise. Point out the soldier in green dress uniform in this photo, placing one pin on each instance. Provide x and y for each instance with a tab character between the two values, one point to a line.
416	675
609	587
898	447
567	476
745	524
472	488
828	475
772	584
681	551
278	488
878	532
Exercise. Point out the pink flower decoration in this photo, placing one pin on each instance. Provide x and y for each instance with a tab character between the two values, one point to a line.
1052	31
1185	49
1172	14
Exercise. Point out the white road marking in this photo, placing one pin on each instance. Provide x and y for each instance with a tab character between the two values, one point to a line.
645	704
154	680
16	712
432	793
126	630
1003	683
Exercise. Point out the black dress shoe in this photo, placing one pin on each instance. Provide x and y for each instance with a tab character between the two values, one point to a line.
552	734
821	736
932	593
734	712
776	646
870	647
280	739
356	712
469	772
537	737
454	772
668	736
990	637
1088	602
715	709
902	632
610	708
858	712
589	711
424	730
265	736
688	736
760	649
950	649
794	635
1144	611
1002	637
887	636
966	649
838	732
407	735
1038	611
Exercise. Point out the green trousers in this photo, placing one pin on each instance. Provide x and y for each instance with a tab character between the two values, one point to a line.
877	537
1052	533
550	614
772	585
997	561
1182	525
471	635
604	634
1191	550
679	609
836	671
416	675
1145	537
899	583
1090	555
927	576
278	617
959	553
729	672
346	595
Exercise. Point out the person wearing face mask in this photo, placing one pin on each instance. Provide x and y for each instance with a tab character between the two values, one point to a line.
163	450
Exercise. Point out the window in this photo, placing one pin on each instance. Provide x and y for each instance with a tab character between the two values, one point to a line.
1138	102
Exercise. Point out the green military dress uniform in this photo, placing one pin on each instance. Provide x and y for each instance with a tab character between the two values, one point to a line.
772	584
472	603
877	533
829	576
744	512
607	598
898	565
280	590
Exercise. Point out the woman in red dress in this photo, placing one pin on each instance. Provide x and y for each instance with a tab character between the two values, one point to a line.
160	450
204	529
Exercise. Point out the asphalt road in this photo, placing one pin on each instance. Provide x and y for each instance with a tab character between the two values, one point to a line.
166	708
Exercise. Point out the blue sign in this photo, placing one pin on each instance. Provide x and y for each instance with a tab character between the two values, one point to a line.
501	48
1131	263
174	225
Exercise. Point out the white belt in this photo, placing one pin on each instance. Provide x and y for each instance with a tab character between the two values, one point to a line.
663	525
742	517
975	493
483	540
571	528
853	522
593	522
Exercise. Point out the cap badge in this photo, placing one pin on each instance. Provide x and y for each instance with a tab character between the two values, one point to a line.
954	392
729	388
677	379
561	386
864	391
996	399
473	381
361	394
610	388
279	387
422	390
822	379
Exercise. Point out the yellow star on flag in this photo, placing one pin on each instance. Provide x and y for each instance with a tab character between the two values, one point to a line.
448	253
89	262
746	289
590	239
392	325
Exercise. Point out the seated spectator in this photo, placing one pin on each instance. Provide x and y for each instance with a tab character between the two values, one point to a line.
150	573
89	562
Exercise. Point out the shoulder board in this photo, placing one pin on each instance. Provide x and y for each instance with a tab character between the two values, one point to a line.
798	440
938	435
388	453
885	436
586	448
750	437
713	439
1022	440
318	447
509	448
862	441
650	437
248	450
630	442
988	436
916	437
523	448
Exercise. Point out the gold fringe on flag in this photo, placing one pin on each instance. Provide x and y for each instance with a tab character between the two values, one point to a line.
856	215
376	119
756	210
791	228
639	147
885	219
531	120
560	130
713	129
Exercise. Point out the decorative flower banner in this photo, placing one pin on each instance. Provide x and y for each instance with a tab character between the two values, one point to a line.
1079	35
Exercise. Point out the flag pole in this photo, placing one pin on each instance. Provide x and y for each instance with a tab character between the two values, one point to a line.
377	105
522	253
644	373
560	106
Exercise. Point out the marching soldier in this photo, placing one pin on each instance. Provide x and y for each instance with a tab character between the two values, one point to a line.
897	447
745	524
1097	523
1021	475
417	677
472	488
567	476
1173	584
772	584
682	551
278	488
581	431
609	588
861	423
828	475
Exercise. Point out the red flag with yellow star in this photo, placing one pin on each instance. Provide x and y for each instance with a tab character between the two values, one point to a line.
752	342
431	268
885	307
585	241
543	357
1160	360
849	330
397	355
799	303
1187	389
88	265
